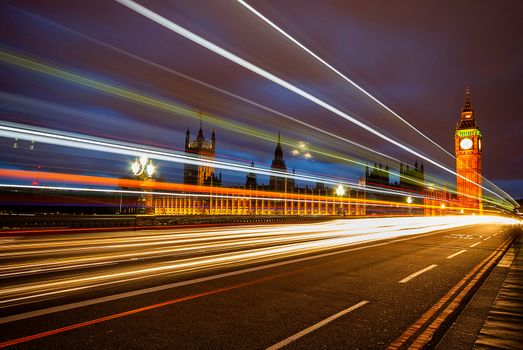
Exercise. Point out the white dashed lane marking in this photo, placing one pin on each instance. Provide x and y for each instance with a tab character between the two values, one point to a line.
415	274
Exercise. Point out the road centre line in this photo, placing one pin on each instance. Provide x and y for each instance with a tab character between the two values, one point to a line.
486	239
475	244
415	274
456	254
315	326
124	295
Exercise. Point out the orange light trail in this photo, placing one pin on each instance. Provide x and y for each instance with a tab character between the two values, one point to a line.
194	190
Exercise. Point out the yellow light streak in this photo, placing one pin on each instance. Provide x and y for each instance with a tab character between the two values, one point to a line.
228	247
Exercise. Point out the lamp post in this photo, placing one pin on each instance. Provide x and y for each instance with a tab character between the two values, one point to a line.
340	192
409	202
144	169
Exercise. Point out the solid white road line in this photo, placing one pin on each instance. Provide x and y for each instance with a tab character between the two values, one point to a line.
84	303
415	274
455	254
475	244
314	327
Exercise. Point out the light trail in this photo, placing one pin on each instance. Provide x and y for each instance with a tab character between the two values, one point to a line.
12	58
255	69
71	140
232	248
167	106
43	135
152	247
186	190
152	102
344	77
13	130
207	85
350	81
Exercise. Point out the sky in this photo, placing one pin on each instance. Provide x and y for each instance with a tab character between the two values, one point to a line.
415	57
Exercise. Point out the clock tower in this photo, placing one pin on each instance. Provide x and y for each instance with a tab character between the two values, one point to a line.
468	159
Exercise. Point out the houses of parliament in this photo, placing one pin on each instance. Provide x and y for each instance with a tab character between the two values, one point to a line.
205	193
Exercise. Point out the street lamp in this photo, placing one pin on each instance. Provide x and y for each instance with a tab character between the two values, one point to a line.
340	192
409	202
144	169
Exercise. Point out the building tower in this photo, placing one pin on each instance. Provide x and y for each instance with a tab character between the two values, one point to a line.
198	174
468	158
250	179
277	183
412	178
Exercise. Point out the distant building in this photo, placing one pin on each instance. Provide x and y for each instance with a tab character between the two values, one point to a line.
250	179
468	149
379	188
211	198
278	183
412	178
377	175
200	174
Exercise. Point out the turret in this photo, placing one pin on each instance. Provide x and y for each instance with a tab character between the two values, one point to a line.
467	114
187	139
278	152
277	183
250	179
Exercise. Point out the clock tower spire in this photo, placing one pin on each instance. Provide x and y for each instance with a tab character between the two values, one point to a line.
468	158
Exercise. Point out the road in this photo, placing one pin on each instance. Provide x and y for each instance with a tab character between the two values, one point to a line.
355	284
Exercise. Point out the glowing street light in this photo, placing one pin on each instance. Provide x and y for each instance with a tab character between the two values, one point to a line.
340	190
143	166
409	202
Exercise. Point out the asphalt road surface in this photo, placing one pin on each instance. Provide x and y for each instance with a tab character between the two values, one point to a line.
351	284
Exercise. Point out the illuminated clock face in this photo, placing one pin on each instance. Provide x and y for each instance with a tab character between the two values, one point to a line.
466	144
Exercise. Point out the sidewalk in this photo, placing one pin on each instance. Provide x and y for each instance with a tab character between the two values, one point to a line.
493	319
503	328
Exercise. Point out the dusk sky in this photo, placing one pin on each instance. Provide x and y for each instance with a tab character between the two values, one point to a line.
417	57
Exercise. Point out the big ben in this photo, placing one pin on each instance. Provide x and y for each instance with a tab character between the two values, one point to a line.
468	159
